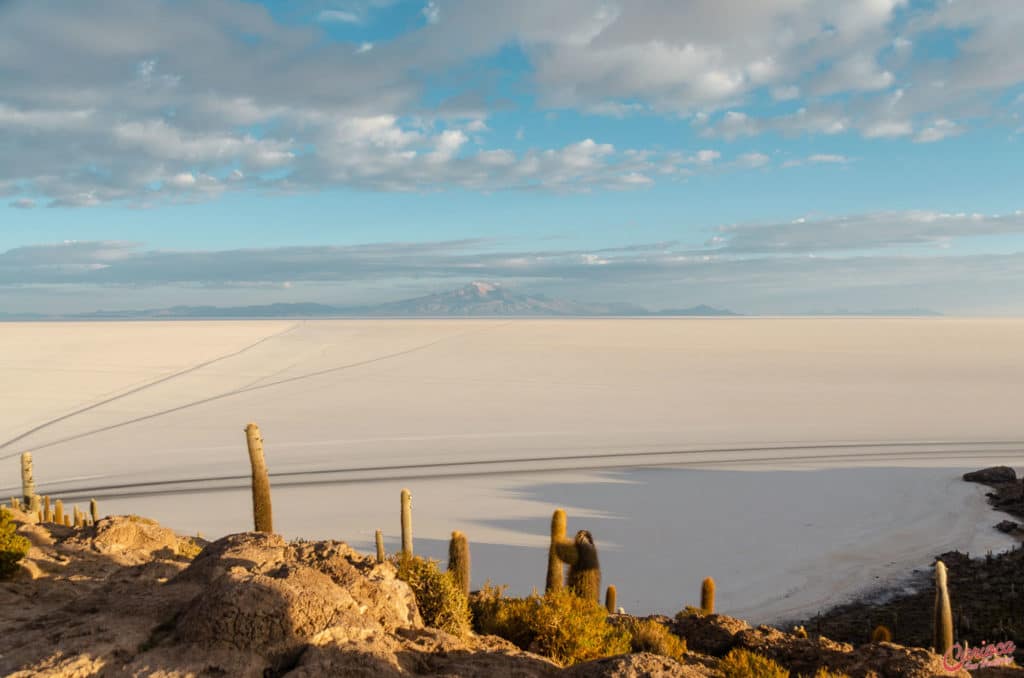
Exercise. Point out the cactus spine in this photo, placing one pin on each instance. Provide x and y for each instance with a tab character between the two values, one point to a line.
379	538
609	598
943	611
556	573
881	634
94	511
458	560
406	523
262	513
58	512
707	596
28	483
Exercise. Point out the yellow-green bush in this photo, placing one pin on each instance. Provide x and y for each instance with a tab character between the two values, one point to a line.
825	673
13	546
647	635
559	624
745	664
441	602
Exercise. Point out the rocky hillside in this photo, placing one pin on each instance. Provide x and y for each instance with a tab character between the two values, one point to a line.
127	597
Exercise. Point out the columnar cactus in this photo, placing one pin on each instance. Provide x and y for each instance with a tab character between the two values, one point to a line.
406	523
94	511
262	513
77	521
58	512
28	483
47	508
707	596
458	560
584	577
610	595
556	573
67	520
943	611
381	555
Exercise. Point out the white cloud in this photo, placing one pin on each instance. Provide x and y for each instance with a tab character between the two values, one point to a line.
938	130
888	129
23	203
753	160
329	15
432	12
364	47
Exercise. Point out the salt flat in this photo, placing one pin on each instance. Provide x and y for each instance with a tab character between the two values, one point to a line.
492	421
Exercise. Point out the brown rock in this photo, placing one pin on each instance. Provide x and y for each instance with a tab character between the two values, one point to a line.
638	665
713	634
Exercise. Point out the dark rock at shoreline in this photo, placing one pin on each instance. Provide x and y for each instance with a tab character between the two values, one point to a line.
1007	526
993	475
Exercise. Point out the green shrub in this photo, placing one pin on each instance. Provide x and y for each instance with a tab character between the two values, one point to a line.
13	546
647	635
440	601
745	664
559	625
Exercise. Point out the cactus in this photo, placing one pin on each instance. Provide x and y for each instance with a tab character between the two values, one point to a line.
28	483
707	596
39	515
881	634
47	508
458	560
381	555
943	611
15	503
67	520
262	513
406	523
77	521
580	554
94	511
58	512
556	573
610	594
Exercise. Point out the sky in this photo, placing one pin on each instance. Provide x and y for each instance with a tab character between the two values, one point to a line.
769	156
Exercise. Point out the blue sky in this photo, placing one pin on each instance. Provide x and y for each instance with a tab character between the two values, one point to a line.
777	157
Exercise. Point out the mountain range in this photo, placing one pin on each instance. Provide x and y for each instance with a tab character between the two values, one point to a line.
477	299
474	299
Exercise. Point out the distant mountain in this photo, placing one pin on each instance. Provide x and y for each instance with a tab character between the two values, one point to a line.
484	299
479	299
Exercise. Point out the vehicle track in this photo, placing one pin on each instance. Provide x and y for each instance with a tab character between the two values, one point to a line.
610	460
140	388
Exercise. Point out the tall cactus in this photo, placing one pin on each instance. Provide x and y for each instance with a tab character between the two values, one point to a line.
77	518
94	511
556	573
262	513
584	577
28	483
610	595
58	512
943	611
458	560
379	538
406	523
707	596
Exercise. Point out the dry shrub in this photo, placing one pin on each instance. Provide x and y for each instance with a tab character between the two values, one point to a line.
745	664
647	635
13	546
559	625
441	602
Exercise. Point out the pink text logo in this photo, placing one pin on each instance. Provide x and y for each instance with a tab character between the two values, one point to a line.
962	656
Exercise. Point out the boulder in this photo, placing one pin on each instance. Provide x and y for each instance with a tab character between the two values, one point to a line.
713	634
637	665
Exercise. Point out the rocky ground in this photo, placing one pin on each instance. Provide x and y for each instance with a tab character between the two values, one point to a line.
127	597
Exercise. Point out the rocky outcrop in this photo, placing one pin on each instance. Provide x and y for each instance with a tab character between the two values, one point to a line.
993	475
638	665
713	634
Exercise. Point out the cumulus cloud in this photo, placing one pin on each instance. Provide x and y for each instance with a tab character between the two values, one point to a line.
219	86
